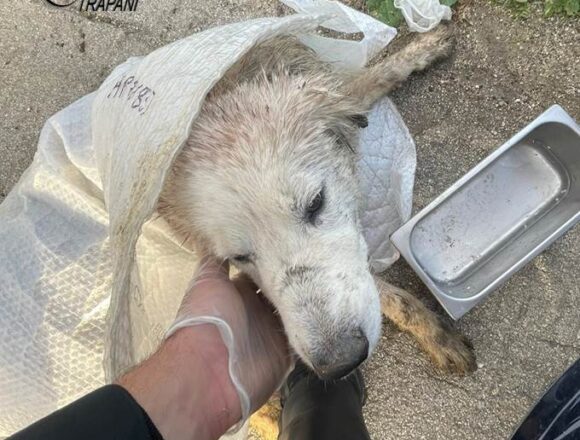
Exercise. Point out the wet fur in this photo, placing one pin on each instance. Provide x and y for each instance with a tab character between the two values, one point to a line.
314	99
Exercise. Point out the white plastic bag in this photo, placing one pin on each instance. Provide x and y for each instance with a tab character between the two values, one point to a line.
77	238
423	15
344	54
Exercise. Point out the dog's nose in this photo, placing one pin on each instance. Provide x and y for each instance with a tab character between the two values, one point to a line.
352	351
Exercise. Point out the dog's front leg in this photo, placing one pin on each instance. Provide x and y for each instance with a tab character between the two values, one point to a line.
447	349
375	82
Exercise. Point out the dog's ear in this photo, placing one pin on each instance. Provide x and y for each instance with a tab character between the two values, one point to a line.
360	120
343	117
341	138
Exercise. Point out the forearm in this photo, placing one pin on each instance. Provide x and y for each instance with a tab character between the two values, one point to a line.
185	387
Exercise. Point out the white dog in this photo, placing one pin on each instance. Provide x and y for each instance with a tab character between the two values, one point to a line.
267	179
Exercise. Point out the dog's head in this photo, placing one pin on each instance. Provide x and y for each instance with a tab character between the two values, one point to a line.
268	180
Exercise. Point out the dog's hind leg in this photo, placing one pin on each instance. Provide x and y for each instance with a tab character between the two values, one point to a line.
447	349
377	81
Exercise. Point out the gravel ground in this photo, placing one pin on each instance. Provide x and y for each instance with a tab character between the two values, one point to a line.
503	74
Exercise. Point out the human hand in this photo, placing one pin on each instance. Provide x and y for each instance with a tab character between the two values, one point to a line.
205	378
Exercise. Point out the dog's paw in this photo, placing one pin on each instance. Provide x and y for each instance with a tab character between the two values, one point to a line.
452	352
448	350
438	43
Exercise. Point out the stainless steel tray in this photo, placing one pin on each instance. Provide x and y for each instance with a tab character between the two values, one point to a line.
498	216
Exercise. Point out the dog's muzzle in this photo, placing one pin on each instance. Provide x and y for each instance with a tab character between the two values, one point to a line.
349	352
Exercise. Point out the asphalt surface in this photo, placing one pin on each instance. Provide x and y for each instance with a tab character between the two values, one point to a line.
503	74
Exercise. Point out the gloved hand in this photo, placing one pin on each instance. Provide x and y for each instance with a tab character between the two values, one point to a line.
259	358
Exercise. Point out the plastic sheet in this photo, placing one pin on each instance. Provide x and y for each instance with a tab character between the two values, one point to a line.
423	15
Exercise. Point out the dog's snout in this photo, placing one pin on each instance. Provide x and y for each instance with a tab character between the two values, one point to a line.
351	351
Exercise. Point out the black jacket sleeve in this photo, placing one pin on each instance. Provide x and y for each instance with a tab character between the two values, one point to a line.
107	413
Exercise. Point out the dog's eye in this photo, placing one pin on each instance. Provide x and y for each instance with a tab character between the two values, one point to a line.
242	258
315	206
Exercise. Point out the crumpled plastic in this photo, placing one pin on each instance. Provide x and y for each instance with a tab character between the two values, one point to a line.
423	15
386	171
91	278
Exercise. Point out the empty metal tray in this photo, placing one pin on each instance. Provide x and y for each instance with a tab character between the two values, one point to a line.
498	216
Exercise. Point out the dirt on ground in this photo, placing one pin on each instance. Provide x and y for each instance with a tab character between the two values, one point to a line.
504	73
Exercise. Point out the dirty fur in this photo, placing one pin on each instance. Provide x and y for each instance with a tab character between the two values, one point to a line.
448	350
275	136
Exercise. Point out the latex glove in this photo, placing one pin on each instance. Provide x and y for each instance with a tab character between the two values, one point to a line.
259	359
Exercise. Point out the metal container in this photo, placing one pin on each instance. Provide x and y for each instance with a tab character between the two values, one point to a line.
500	215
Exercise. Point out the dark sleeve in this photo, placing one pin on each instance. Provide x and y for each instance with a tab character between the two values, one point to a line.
107	413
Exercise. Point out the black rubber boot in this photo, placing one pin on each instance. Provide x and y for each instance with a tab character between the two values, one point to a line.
313	409
557	414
